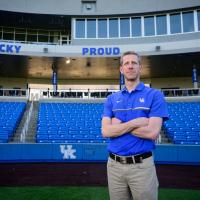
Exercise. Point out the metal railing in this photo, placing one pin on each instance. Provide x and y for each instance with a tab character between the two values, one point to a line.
14	92
91	94
181	92
26	124
86	93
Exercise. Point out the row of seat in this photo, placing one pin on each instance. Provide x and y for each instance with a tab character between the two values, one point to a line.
183	127
10	116
81	122
70	122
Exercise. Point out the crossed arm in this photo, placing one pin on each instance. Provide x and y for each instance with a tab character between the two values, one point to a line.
148	128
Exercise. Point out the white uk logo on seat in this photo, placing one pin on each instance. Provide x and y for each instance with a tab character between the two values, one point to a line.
141	100
118	101
69	152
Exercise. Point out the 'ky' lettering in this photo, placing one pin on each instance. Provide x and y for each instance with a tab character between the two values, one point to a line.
10	48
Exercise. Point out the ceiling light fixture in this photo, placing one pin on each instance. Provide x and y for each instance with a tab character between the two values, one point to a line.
68	60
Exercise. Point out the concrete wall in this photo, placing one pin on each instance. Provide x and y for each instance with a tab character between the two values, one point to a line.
171	82
144	46
8	83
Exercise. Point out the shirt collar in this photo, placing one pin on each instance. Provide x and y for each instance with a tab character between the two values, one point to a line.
140	86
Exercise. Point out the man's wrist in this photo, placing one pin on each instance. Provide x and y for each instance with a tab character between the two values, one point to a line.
131	125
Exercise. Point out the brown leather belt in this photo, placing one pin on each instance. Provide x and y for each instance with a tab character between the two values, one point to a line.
130	159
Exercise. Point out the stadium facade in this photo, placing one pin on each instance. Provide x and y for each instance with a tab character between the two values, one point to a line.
93	34
70	49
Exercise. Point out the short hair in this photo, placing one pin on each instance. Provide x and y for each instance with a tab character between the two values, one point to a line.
130	53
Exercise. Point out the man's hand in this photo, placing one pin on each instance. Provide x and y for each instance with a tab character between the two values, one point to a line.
115	121
139	122
115	127
150	131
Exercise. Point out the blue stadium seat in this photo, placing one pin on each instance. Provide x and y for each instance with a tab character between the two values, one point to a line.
10	116
70	123
81	123
183	127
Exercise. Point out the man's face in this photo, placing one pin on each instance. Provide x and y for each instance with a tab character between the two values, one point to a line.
131	68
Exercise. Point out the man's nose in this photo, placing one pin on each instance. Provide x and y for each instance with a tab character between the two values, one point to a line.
130	66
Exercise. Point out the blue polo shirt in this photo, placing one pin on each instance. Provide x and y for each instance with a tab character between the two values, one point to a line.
125	106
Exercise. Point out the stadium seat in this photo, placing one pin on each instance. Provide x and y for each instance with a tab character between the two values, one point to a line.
70	122
183	127
10	116
81	123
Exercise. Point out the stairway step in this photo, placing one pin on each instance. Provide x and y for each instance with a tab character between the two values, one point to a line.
30	137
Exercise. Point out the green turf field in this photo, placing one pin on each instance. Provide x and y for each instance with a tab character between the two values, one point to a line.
83	193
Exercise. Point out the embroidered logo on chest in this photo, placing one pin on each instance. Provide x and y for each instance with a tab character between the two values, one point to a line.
141	100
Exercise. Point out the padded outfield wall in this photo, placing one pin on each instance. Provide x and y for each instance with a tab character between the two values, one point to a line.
163	154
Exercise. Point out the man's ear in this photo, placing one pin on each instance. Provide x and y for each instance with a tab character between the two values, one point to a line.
140	67
121	70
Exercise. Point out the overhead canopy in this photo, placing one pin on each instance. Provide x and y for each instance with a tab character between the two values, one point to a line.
159	66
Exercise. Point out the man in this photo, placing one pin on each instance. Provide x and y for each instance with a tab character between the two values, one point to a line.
132	119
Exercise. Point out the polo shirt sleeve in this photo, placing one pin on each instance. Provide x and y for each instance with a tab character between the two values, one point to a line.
107	111
159	106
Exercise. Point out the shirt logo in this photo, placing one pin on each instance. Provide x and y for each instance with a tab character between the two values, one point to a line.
118	101
68	152
141	100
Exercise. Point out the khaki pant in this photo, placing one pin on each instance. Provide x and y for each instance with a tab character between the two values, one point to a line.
138	181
